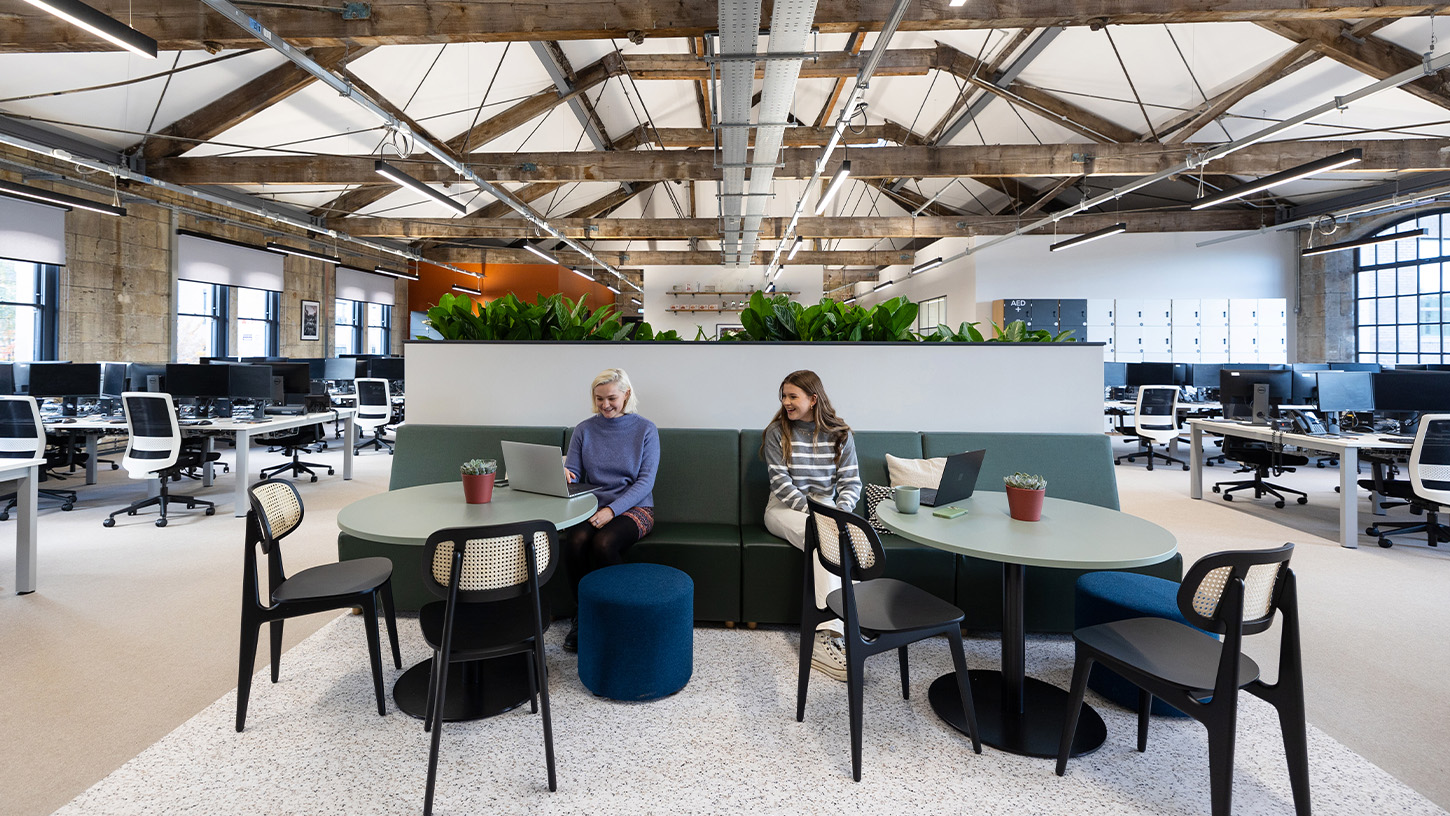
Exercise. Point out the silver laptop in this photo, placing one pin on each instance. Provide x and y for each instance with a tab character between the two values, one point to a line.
540	469
958	479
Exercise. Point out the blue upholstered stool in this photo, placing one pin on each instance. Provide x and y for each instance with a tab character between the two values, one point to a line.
1104	597
636	631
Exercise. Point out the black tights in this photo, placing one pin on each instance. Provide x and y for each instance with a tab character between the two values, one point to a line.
586	548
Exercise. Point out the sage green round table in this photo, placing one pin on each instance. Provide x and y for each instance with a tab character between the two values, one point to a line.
1016	713
408	516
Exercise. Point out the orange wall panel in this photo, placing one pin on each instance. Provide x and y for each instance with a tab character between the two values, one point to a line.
525	281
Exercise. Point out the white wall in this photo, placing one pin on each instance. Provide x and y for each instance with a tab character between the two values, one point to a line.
660	280
957	280
888	386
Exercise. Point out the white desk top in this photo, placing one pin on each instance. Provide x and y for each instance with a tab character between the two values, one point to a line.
1322	443
11	468
1070	535
410	515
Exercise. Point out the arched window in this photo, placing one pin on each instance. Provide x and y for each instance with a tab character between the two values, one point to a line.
1399	287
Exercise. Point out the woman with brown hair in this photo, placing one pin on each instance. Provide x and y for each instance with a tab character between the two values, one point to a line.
809	453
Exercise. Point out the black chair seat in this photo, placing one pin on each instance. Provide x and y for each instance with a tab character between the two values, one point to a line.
483	627
889	605
341	578
1181	655
1393	488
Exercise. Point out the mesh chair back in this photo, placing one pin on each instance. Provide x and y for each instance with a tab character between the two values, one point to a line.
374	403
22	436
1430	459
1262	573
155	441
1156	415
278	509
838	532
496	559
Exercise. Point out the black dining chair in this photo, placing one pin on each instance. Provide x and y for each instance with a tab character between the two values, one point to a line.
880	614
489	577
1229	594
276	510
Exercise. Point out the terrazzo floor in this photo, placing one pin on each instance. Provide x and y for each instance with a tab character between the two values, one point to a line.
727	743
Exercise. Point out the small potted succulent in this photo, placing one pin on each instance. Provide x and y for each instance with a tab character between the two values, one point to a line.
1024	496
478	476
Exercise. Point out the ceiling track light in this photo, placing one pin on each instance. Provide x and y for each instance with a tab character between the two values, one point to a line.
382	270
458	287
834	185
794	248
851	299
882	285
931	264
542	254
392	173
1323	165
635	301
584	275
302	253
100	24
1089	236
58	199
611	288
1362	242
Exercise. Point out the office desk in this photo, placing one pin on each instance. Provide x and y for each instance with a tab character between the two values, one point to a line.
409	516
26	472
1346	447
1016	713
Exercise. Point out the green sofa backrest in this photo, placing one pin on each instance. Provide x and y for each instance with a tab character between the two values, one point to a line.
428	454
1078	467
754	483
699	477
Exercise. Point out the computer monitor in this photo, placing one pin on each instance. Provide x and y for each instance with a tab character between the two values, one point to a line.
7	378
113	380
1355	367
386	368
1204	376
262	359
21	373
343	368
69	381
1140	374
317	366
1304	382
1115	375
1411	391
1340	391
296	380
1411	367
198	380
1255	366
206	360
1236	390
250	382
146	377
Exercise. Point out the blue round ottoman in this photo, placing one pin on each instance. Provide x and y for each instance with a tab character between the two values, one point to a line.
636	631
1104	597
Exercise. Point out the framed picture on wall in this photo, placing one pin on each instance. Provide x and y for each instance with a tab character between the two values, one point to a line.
311	319
722	329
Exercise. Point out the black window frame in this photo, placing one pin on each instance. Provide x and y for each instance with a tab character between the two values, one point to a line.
273	319
1395	355
47	303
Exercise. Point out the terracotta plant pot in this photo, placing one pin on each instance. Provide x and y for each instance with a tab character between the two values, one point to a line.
1025	505
478	488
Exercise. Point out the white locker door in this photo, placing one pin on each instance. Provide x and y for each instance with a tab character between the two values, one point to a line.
1157	344
1273	344
1243	339
1273	312
1129	356
1186	342
1129	313
1215	357
1185	312
1100	313
1243	312
1158	312
1213	311
1128	340
1213	340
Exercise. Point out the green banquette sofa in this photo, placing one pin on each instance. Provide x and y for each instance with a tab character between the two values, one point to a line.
710	497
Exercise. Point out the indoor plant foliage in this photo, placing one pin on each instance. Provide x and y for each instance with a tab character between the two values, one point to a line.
1024	495
478	467
780	318
478	476
552	317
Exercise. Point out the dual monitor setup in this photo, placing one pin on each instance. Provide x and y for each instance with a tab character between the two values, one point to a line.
260	381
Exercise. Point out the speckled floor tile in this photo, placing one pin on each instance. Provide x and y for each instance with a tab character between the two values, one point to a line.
727	743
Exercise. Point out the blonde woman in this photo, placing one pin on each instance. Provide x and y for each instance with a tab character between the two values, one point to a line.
809	453
619	450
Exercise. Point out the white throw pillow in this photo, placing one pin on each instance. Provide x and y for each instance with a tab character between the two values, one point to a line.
915	472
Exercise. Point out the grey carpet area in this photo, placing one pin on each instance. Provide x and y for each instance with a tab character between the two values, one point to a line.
727	743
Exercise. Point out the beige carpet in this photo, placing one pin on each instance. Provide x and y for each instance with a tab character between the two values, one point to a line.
133	629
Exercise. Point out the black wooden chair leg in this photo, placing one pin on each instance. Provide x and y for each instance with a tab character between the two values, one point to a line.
246	663
276	648
386	594
855	682
964	687
375	651
543	672
1081	666
1221	766
1145	707
905	673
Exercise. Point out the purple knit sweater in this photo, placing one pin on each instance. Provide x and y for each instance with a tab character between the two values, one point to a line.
621	454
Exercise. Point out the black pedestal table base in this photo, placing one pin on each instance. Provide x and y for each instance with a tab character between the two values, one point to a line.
1036	731
476	689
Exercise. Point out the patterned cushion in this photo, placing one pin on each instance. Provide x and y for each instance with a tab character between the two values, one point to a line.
875	494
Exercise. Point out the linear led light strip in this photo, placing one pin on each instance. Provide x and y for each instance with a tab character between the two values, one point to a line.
1362	242
444	157
102	25
1394	202
127	173
1323	165
58	199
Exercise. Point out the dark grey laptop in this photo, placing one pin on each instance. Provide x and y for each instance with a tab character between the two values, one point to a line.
958	479
540	469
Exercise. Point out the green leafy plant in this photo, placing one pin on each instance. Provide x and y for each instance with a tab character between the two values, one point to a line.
551	317
1016	332
779	318
478	467
967	333
1025	481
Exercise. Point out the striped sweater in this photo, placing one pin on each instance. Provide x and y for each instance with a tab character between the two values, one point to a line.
813	471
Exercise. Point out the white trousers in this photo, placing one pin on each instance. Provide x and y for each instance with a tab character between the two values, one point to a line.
790	525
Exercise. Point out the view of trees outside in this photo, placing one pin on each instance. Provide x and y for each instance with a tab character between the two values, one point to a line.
19	311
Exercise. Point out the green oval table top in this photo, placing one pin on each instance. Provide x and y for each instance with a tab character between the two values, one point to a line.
410	515
1071	534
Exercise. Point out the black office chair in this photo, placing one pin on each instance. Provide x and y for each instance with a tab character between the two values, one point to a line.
1231	594
276	510
1155	420
22	436
154	451
1427	490
1260	459
490	577
880	614
293	445
374	412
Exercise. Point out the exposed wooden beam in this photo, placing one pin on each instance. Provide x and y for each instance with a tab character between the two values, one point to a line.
190	26
387	104
239	105
853	47
641	258
1367	54
531	192
835	228
354	200
794	137
1007	50
1179	129
1048	196
911	200
606	204
540	103
1001	161
702	85
589	117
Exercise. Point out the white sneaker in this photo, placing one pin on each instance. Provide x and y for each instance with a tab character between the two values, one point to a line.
829	656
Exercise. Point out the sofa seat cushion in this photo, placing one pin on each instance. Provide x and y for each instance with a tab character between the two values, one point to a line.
709	553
